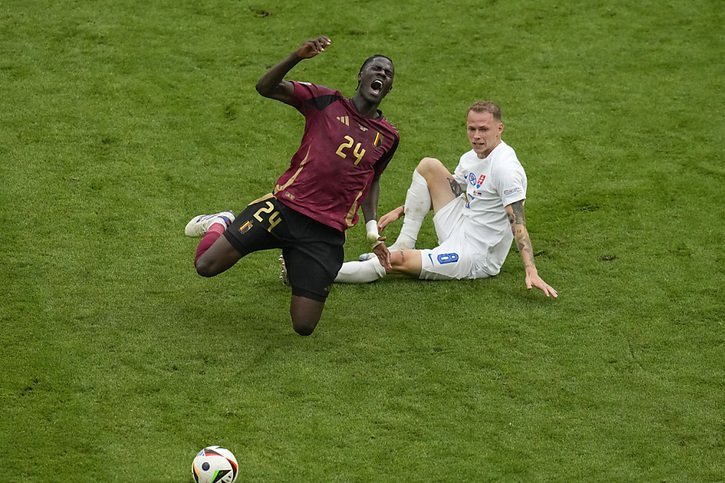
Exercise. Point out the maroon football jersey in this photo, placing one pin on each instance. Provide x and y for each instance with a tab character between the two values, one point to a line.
340	154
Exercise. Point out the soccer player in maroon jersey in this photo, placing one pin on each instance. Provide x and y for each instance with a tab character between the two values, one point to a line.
346	145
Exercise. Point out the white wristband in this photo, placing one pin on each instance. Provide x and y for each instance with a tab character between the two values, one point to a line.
372	229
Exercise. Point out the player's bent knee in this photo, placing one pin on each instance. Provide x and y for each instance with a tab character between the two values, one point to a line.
304	327
428	164
305	313
205	268
202	269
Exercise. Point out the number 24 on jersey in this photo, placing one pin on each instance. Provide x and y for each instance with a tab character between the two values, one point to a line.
357	151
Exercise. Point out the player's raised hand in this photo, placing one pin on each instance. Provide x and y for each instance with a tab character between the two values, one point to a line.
312	47
390	217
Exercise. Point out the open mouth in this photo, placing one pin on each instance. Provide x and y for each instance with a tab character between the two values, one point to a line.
377	85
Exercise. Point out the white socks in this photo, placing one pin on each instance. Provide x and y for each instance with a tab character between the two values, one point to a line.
417	205
361	272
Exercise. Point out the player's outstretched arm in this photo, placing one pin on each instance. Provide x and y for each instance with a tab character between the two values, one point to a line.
272	83
515	213
369	207
390	217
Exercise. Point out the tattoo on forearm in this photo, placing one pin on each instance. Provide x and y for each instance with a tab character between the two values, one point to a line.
518	213
523	243
521	234
455	187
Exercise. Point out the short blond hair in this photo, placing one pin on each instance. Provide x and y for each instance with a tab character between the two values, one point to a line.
486	106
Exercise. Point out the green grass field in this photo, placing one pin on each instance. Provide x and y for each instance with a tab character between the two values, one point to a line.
120	120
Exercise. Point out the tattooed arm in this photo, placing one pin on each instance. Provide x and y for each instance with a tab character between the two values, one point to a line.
455	186
515	213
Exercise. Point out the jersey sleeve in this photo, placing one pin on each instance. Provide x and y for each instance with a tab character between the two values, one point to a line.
511	183
306	95
385	160
460	176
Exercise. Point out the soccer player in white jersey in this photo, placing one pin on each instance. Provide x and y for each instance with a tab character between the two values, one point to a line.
478	212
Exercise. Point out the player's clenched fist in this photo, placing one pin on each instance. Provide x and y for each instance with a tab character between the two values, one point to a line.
312	47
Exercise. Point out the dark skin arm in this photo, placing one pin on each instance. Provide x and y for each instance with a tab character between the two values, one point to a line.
517	219
370	203
272	83
369	208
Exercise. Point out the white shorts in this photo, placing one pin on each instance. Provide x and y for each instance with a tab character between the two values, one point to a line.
454	258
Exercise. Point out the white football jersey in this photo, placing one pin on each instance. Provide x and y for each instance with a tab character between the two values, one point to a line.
491	184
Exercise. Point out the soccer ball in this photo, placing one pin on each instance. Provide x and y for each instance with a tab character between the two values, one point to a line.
214	465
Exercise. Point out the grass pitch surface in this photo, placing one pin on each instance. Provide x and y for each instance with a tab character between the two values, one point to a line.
121	120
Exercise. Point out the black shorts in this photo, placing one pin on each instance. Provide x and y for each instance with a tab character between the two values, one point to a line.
313	252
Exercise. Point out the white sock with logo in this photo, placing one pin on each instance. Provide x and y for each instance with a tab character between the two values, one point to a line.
361	272
417	205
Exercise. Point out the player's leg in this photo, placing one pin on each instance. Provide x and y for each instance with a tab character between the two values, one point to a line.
445	262
454	259
219	257
310	281
312	257
364	271
403	262
250	231
450	227
441	185
406	262
305	314
431	187
212	247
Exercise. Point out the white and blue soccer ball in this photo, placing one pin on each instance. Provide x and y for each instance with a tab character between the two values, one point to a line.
214	464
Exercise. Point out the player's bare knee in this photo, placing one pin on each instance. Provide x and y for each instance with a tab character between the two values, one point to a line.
406	262
397	259
427	165
205	268
305	314
304	327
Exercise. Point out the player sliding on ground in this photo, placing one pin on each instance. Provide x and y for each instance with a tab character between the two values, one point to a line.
347	143
478	211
